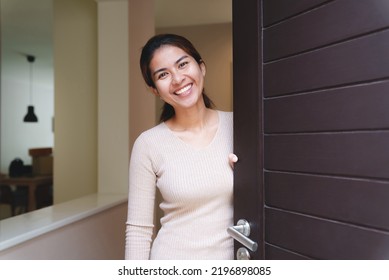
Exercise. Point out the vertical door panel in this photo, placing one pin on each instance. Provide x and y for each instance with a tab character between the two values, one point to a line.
311	127
327	132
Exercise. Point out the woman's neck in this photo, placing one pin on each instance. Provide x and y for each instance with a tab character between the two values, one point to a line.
197	129
195	119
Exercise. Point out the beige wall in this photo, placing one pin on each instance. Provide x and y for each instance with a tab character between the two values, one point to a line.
113	96
98	237
101	102
214	42
75	85
125	106
142	102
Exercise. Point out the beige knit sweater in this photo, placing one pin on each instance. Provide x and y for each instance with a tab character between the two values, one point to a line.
196	186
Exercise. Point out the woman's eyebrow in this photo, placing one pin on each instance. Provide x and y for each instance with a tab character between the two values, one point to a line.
177	62
181	58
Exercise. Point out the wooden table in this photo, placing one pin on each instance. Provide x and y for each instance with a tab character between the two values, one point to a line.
31	182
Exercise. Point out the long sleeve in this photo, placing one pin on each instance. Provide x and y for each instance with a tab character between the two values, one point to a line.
196	185
142	187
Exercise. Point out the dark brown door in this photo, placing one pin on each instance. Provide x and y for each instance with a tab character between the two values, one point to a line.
311	112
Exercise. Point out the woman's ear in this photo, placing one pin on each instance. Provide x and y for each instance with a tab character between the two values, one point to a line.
154	91
203	68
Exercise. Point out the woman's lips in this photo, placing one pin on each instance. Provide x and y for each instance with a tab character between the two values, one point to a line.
184	89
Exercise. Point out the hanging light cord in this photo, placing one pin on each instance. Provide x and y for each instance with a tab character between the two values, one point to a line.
31	59
30	117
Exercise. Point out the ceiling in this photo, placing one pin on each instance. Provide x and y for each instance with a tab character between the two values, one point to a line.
26	29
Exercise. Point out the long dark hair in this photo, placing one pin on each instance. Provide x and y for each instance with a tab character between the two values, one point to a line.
147	54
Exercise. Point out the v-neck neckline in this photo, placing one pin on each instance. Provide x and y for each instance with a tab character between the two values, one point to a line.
180	140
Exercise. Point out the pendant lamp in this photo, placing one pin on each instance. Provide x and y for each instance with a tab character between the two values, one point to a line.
30	117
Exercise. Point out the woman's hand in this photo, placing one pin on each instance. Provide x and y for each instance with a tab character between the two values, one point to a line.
232	158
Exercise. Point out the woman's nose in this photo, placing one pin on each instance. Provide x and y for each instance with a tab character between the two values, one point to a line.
177	78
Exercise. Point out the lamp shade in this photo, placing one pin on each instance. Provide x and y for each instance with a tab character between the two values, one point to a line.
30	117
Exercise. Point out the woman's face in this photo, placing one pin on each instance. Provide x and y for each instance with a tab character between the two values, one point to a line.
178	78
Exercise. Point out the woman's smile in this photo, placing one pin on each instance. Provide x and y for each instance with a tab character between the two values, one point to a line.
184	91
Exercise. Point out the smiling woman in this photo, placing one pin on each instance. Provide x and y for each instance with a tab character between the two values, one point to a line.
185	157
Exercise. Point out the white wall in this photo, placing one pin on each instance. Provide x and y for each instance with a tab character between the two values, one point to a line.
16	136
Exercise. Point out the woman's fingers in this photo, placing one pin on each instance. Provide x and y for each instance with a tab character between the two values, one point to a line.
232	159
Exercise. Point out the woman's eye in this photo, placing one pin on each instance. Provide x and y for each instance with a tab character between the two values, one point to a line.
162	75
183	64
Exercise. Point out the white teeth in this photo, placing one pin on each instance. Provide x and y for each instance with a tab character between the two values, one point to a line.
181	91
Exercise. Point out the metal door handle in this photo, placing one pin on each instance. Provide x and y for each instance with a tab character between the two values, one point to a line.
240	233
